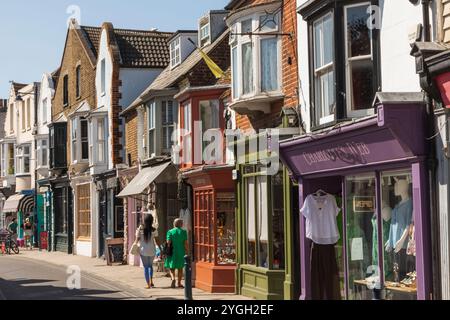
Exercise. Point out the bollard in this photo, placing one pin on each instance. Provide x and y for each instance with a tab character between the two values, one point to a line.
187	278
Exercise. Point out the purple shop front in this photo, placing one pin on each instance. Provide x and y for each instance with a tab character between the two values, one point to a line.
364	165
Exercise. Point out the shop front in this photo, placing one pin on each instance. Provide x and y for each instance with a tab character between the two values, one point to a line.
363	194
19	206
61	215
214	227
152	190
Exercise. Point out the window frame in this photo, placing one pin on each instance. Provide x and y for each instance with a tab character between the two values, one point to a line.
78	82
238	41
77	140
349	88
151	128
40	149
66	90
21	157
339	58
166	146
175	52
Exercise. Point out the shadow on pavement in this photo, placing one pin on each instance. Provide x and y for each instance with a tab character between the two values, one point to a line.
30	289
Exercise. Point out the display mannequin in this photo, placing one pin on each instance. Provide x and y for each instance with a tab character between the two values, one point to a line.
399	228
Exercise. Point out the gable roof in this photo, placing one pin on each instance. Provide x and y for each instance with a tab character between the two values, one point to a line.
170	76
143	49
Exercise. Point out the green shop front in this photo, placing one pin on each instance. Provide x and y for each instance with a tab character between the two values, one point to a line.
266	227
19	206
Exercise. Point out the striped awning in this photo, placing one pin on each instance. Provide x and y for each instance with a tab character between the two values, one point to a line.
19	202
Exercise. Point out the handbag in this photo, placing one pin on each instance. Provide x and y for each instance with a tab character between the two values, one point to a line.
168	249
135	249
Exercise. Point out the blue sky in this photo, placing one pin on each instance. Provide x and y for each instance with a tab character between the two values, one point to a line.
32	33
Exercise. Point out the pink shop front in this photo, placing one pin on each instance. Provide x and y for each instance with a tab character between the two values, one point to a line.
363	190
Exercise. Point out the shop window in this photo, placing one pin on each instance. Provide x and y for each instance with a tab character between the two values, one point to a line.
264	217
361	231
204	226
398	236
84	212
226	234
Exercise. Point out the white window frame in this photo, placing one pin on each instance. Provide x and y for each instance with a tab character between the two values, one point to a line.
348	60
175	52
103	76
40	149
77	140
166	125
205	35
44	110
238	41
151	116
96	140
20	159
320	71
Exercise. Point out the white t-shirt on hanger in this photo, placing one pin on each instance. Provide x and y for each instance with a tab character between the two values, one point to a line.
320	213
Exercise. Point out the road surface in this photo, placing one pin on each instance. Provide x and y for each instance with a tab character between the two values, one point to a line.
24	279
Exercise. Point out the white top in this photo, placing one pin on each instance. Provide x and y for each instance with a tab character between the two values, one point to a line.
185	215
147	248
320	213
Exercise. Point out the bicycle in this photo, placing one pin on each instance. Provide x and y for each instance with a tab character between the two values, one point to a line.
10	245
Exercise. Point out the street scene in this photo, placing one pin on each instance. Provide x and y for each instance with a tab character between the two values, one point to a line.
226	150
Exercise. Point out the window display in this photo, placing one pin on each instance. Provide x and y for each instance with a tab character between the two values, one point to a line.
226	235
399	247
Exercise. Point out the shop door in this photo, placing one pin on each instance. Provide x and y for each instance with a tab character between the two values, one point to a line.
102	222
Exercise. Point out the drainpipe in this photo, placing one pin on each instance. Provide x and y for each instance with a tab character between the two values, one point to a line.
431	161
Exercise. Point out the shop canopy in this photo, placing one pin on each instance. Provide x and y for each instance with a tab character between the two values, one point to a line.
143	180
19	202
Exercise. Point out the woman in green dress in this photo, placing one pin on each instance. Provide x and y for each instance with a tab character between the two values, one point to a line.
177	237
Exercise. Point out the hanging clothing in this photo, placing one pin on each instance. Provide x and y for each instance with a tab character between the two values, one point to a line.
185	215
387	256
320	213
401	219
324	273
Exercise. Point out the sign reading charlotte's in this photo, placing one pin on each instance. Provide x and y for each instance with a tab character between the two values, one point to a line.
351	153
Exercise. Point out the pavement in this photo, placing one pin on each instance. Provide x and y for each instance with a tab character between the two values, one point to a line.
129	279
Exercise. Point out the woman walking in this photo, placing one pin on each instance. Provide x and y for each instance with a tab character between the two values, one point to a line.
177	238
147	235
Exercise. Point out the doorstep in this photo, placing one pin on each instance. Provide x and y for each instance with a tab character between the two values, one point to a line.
127	276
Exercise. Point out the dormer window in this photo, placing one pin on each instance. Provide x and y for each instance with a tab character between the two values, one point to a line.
205	32
175	53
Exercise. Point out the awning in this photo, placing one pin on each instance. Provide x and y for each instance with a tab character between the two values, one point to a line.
143	180
12	203
19	202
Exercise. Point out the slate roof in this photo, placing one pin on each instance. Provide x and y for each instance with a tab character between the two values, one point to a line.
92	35
143	49
170	76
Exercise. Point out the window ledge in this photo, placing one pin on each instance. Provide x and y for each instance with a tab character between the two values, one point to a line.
256	103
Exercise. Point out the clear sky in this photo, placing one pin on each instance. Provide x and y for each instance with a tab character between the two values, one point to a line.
32	33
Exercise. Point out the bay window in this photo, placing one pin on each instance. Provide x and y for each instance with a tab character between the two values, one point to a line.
359	60
255	55
324	101
42	153
97	140
23	159
151	129
168	124
345	68
80	140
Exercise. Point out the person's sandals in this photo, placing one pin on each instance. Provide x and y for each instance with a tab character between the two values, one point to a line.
180	286
173	284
